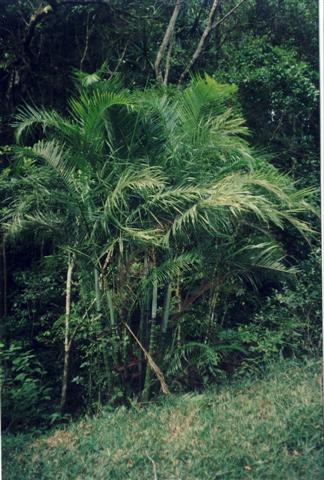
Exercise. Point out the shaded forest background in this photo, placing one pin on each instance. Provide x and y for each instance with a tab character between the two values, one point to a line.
269	50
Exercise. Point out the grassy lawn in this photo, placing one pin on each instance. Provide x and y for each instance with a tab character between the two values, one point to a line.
265	428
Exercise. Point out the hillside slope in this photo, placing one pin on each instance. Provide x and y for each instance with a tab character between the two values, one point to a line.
266	428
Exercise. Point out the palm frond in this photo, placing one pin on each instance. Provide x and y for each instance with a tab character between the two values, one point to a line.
168	270
30	117
97	80
53	154
134	181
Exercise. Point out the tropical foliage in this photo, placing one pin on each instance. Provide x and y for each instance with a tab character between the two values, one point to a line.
157	223
155	201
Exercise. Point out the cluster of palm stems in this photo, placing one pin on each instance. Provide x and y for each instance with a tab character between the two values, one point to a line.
157	202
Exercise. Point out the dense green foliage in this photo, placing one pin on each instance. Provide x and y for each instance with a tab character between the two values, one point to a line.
139	190
265	428
154	236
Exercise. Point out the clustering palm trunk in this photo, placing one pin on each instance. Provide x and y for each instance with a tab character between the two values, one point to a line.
4	275
166	315
104	340
153	335
67	330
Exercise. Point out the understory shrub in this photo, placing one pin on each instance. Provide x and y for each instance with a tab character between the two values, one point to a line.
25	395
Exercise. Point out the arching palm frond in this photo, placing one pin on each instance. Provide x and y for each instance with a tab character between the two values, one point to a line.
205	120
29	118
91	111
98	80
157	124
168	270
257	260
53	154
204	98
134	182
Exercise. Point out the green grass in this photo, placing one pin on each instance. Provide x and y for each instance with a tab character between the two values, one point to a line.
265	428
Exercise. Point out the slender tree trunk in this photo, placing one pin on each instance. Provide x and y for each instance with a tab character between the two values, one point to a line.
148	373
166	40
86	46
99	312
67	342
202	41
154	297
141	337
212	305
97	290
179	310
166	309
168	62
111	310
113	325
4	273
179	335
212	23
144	323
166	316
147	307
110	303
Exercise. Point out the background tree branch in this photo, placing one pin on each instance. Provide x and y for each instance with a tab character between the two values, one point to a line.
166	39
212	23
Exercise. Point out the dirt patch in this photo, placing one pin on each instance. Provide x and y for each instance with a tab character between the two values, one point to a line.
180	424
59	438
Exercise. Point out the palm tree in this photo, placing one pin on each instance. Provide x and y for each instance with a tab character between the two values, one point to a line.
147	188
90	203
